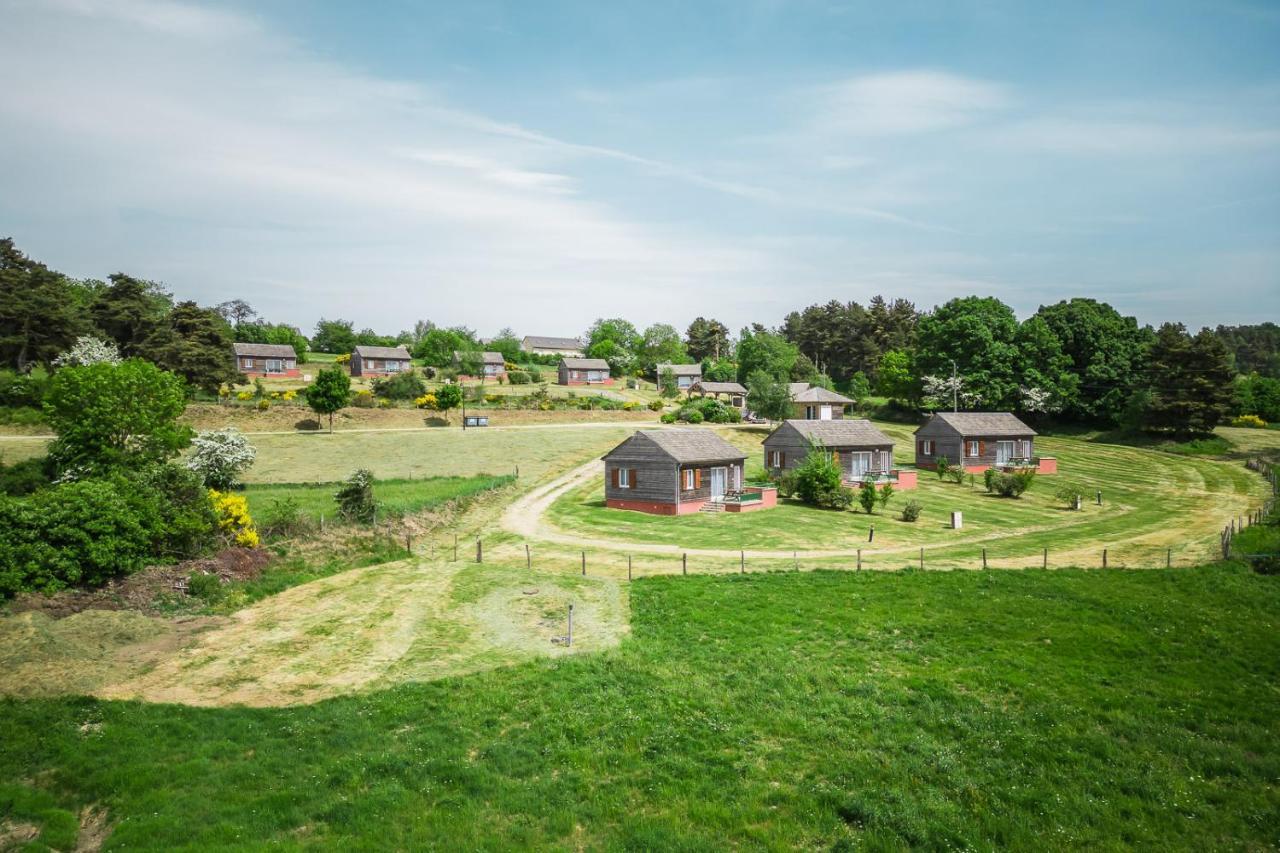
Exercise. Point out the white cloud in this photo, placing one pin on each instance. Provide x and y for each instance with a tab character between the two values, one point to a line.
907	102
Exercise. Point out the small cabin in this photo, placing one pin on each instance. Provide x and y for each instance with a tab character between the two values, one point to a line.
584	371
545	345
978	441
679	471
266	360
493	364
735	394
861	450
685	374
813	403
379	361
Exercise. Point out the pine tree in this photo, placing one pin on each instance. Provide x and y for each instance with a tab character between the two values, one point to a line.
194	343
38	317
1190	381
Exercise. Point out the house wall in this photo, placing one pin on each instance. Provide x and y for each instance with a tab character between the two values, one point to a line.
377	366
656	485
954	446
583	377
803	413
794	449
254	366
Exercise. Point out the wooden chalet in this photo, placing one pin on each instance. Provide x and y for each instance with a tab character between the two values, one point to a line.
542	345
859	448
685	374
736	393
584	371
379	361
266	360
494	364
679	471
812	403
978	441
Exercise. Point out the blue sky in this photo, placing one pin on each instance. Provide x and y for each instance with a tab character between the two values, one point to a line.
537	165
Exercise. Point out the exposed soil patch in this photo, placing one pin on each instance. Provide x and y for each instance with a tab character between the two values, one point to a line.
144	591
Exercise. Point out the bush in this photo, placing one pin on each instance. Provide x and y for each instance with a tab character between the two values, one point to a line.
1249	421
402	386
988	478
668	418
283	518
867	496
956	474
205	587
22	389
911	511
818	480
1011	485
943	467
219	457
234	520
22	416
656	405
174	506
23	478
363	399
355	498
694	417
1069	495
519	377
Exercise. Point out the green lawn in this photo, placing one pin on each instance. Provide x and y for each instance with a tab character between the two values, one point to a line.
999	710
1152	502
393	496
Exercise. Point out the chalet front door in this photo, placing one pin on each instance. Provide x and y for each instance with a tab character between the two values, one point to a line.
719	477
1004	452
824	413
275	365
859	465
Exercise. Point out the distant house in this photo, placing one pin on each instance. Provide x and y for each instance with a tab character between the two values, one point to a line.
584	371
736	393
978	441
255	360
813	403
678	471
539	345
493	363
858	447
379	361
685	374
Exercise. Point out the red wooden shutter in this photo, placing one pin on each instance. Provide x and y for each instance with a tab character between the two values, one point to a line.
634	481
982	448
782	459
697	478
613	477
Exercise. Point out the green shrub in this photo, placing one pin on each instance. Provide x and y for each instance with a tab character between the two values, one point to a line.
363	399
403	386
668	417
22	389
956	474
656	405
694	417
867	496
818	480
988	478
1011	485
1069	494
355	498
519	377
22	416
23	478
943	467
911	511
206	587
283	517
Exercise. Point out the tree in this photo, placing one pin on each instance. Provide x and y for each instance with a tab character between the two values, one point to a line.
108	415
88	350
219	457
819	480
448	397
508	344
859	388
1046	376
769	398
471	363
1259	396
438	346
762	350
130	310
335	336
1190	380
980	335
1107	353
707	339
667	384
273	333
722	370
895	378
236	311
38	316
617	342
661	344
1255	349
331	392
867	496
194	343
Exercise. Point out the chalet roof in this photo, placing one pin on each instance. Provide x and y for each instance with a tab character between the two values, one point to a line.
541	342
686	446
850	432
718	387
585	363
819	395
794	388
978	423
383	352
681	369
265	350
485	357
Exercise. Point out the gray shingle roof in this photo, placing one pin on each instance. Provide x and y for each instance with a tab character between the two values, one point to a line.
718	387
819	395
485	357
681	369
843	433
265	350
687	446
795	388
541	342
980	423
383	352
585	363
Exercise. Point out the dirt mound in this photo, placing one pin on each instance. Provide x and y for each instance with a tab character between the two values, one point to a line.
146	590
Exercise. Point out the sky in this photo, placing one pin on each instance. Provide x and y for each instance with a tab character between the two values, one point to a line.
539	165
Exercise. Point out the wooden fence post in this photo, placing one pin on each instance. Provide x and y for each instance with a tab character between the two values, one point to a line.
568	640
1168	558
1104	558
742	562
528	558
859	559
408	543
1045	564
584	564
479	551
984	558
455	547
871	534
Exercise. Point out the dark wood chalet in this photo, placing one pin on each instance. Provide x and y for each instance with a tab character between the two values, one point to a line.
584	371
685	374
678	471
736	394
255	360
859	448
813	403
494	364
544	345
379	361
978	441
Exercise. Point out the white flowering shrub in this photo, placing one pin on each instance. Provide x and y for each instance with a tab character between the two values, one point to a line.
941	391
1037	400
220	457
89	350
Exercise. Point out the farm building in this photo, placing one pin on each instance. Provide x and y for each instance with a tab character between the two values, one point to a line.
379	361
255	360
584	371
813	403
858	447
736	393
678	471
493	363
539	345
685	374
978	441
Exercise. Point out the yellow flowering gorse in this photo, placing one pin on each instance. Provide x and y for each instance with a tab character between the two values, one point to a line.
233	518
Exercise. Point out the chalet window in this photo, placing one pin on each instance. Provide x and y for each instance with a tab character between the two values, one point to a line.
688	479
926	447
624	478
775	458
975	448
246	363
393	367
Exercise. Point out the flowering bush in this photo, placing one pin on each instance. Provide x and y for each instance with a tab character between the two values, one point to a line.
343	359
220	456
264	404
384	404
492	398
289	395
363	399
244	395
89	350
233	518
1251	421
355	498
426	401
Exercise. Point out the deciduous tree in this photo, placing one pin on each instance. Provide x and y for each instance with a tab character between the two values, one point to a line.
331	392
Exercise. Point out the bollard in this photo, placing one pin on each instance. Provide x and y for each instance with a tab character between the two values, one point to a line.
684	564
479	552
528	558
1099	498
984	558
742	562
859	559
1104	558
568	640
1045	564
871	534
584	564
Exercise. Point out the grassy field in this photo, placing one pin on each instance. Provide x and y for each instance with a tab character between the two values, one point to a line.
393	496
1152	502
1027	710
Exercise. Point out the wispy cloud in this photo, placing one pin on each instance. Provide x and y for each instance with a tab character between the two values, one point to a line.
906	102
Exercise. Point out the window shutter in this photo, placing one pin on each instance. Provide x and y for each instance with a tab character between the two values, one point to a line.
982	448
782	459
634	481
835	456
613	477
697	478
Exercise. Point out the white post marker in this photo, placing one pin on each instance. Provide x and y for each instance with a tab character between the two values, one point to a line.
957	520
